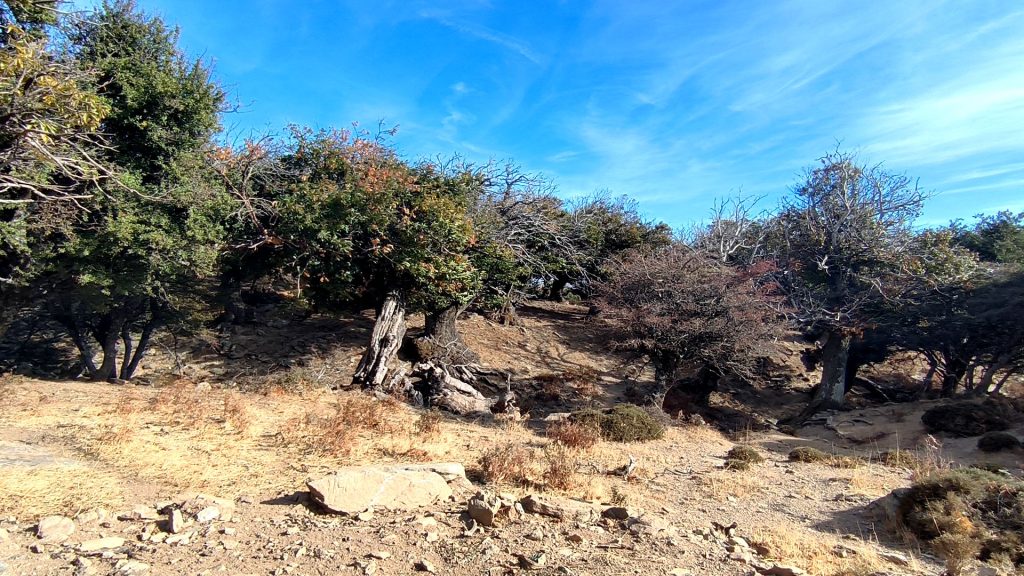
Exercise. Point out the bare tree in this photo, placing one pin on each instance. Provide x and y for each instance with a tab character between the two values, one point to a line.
683	307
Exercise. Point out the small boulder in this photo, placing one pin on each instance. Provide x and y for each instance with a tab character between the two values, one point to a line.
131	568
208	514
616	513
176	522
484	507
55	528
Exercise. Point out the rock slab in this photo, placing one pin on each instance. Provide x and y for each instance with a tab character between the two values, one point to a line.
355	489
55	528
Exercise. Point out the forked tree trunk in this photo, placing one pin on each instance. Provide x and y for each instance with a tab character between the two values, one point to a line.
834	358
441	340
374	371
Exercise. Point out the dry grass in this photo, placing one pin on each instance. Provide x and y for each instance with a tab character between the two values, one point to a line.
58	489
819	554
338	430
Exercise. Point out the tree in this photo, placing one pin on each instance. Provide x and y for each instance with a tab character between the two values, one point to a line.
683	307
129	266
995	238
846	245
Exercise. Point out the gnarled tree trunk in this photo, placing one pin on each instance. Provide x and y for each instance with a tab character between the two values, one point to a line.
374	371
441	340
835	355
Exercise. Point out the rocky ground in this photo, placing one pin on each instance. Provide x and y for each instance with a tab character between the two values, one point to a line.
192	477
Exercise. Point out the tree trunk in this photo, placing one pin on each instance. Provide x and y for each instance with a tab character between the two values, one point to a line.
664	377
954	373
388	332
81	341
834	357
444	391
128	369
557	287
441	340
990	373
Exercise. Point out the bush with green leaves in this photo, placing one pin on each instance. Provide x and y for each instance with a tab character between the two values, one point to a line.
622	423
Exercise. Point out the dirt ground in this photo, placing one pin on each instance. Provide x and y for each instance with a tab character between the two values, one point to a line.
253	419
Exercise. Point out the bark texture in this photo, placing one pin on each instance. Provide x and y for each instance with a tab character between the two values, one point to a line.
374	371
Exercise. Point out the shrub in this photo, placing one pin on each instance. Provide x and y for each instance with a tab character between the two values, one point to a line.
507	464
813	455
997	442
900	459
967	418
429	423
968	510
622	423
574	434
560	467
741	457
808	454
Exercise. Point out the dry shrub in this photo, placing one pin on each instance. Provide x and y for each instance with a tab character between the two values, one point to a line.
573	434
622	423
507	464
741	457
900	459
968	418
428	424
958	550
236	412
811	455
184	401
560	467
336	432
948	507
808	454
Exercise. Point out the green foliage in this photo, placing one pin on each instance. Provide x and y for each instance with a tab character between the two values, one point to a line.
742	457
131	263
48	145
622	423
162	104
995	238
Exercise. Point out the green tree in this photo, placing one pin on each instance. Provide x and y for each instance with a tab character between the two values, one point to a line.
995	238
130	266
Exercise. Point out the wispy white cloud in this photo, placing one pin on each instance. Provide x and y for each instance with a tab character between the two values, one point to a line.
484	33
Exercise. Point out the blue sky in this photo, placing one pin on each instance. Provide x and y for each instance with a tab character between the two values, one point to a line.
672	103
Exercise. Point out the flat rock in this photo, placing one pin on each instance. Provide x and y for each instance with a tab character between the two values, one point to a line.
208	514
132	567
783	570
355	489
101	544
55	528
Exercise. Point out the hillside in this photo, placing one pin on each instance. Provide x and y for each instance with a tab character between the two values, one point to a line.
95	452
